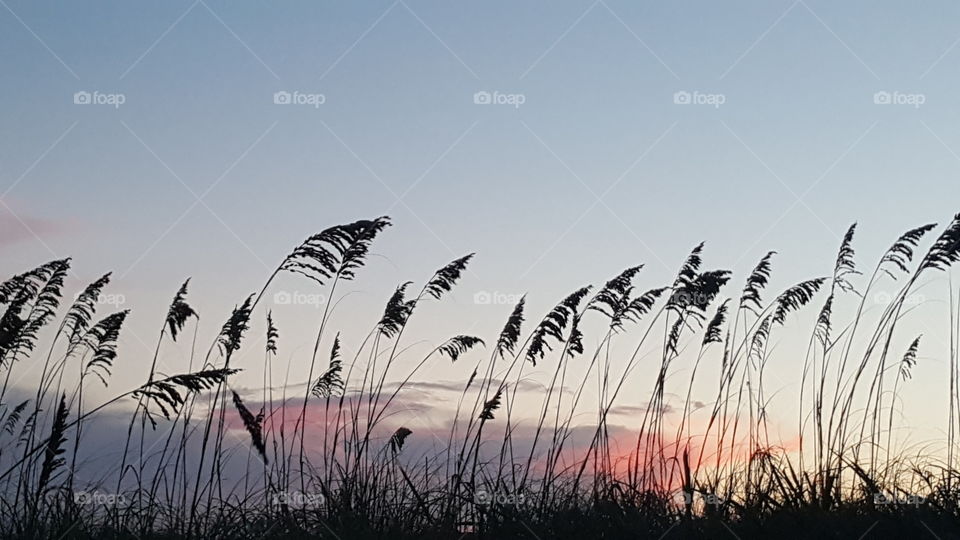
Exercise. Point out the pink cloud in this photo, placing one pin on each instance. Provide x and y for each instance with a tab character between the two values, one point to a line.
17	226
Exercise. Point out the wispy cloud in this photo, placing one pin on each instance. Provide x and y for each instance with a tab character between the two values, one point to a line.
19	226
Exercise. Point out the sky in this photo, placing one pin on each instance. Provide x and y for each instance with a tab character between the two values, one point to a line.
560	141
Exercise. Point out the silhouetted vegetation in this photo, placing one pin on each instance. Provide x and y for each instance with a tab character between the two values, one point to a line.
716	474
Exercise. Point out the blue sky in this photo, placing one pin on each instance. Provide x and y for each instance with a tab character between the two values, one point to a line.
199	173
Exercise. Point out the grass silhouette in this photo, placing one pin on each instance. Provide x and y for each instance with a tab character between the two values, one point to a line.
724	476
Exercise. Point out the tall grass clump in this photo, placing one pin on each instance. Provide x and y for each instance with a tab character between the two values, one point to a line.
622	411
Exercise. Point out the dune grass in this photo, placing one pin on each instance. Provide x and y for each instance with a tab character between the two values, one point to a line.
710	469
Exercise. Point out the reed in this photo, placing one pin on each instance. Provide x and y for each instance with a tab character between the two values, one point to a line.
554	466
